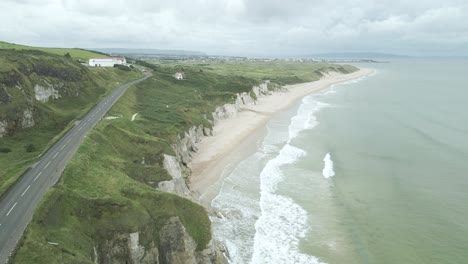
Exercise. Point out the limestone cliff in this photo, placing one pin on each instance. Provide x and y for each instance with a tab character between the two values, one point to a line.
176	245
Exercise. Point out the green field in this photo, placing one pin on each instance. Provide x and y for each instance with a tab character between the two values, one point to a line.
107	190
83	55
279	72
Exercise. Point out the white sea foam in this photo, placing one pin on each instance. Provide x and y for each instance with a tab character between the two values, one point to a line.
305	117
328	171
282	222
260	225
238	203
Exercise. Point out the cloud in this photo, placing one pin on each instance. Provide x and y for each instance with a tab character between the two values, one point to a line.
242	27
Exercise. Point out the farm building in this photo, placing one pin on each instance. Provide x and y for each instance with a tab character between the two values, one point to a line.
106	62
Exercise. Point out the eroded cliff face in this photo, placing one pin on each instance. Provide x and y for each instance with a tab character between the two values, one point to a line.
43	94
175	247
31	78
186	146
16	120
126	249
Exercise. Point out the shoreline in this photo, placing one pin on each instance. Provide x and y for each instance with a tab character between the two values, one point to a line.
236	138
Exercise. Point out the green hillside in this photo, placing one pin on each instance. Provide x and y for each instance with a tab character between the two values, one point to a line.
107	190
83	55
29	125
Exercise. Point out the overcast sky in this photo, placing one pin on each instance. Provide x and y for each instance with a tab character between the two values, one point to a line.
243	27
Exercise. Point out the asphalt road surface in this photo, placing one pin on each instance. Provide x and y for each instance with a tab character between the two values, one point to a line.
18	205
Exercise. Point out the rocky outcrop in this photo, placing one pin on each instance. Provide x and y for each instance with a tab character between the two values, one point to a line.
178	184
175	243
186	146
28	119
44	93
175	246
3	128
16	120
126	249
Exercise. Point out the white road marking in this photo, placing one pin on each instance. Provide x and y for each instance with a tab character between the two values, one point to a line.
80	128
29	186
63	147
38	176
47	165
11	209
55	155
68	141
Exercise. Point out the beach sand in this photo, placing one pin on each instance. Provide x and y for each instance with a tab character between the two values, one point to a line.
238	137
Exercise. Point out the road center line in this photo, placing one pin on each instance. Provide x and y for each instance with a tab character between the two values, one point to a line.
68	141
38	176
11	209
55	155
47	165
29	186
63	147
80	128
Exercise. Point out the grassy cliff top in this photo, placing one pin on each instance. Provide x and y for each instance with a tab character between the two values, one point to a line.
75	53
280	72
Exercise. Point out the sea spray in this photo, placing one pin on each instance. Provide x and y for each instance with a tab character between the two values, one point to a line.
328	171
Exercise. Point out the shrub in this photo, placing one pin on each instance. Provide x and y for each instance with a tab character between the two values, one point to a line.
122	67
5	150
30	148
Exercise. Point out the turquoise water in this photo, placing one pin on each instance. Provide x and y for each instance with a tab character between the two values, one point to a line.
370	171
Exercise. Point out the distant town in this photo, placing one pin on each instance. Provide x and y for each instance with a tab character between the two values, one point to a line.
211	58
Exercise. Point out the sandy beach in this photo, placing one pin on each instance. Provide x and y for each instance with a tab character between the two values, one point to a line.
237	137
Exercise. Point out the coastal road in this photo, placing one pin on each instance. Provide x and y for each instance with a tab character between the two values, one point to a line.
18	205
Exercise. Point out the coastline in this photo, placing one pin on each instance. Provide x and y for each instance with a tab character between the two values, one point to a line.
238	137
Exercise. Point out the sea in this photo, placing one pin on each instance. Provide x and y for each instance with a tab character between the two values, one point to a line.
374	170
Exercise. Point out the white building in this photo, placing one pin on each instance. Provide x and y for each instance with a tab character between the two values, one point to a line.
106	62
179	75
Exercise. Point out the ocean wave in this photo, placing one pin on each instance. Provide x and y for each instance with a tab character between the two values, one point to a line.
328	171
238	210
305	117
282	222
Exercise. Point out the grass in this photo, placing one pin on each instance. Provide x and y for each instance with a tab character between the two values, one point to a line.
107	189
83	55
279	72
81	89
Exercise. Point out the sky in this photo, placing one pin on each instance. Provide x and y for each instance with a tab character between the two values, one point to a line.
243	27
